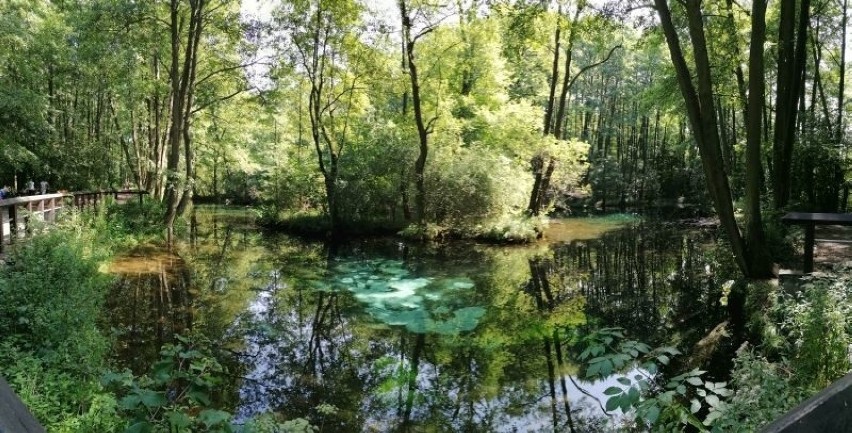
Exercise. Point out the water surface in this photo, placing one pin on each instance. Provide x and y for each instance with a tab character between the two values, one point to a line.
402	336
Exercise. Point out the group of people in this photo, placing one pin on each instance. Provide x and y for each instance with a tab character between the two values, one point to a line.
7	192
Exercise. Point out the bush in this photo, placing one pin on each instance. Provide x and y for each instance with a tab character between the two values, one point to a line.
51	350
52	295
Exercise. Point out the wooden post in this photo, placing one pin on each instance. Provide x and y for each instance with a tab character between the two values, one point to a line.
140	198
809	249
13	223
2	230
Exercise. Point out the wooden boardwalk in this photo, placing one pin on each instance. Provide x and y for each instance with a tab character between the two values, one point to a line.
14	415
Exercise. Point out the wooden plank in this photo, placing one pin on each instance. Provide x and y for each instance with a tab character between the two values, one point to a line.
828	411
808	267
14	415
27	199
818	218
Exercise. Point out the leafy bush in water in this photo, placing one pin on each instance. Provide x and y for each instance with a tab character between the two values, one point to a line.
177	394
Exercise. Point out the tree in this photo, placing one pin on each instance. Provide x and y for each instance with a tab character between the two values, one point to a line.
750	251
424	127
324	34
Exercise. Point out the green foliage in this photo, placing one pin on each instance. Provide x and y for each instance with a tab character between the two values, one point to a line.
52	296
802	346
51	349
660	402
178	392
818	322
763	391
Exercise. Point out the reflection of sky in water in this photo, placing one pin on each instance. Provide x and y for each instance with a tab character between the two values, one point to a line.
383	305
392	296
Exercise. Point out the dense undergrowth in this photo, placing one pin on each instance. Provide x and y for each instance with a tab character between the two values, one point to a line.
55	350
797	340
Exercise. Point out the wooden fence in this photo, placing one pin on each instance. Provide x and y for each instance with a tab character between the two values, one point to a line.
17	214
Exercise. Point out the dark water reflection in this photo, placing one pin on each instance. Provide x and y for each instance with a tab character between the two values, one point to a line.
411	337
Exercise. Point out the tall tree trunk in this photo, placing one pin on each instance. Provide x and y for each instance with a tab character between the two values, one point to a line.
566	80
758	256
791	69
181	76
554	73
424	128
702	118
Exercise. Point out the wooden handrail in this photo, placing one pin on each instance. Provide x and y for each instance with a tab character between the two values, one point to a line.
47	205
28	199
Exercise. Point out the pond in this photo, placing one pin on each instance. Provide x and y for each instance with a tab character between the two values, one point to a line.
388	335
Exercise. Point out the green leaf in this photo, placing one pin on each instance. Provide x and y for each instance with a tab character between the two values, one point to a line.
593	370
712	400
606	368
663	359
613	390
179	420
652	414
712	417
140	427
613	403
695	381
199	397
667	397
212	417
129	402
724	392
152	398
633	395
681	390
695	406
624	381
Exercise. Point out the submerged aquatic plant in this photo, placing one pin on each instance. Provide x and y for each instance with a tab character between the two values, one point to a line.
394	296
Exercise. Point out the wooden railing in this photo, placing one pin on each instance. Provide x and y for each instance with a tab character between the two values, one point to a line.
16	213
83	199
828	411
14	223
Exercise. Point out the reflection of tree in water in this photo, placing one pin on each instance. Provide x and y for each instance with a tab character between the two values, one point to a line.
303	344
149	305
308	346
651	281
301	353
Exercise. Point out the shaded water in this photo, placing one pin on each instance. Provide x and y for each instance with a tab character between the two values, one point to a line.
412	337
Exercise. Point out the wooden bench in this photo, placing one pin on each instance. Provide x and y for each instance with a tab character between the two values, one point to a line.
809	220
